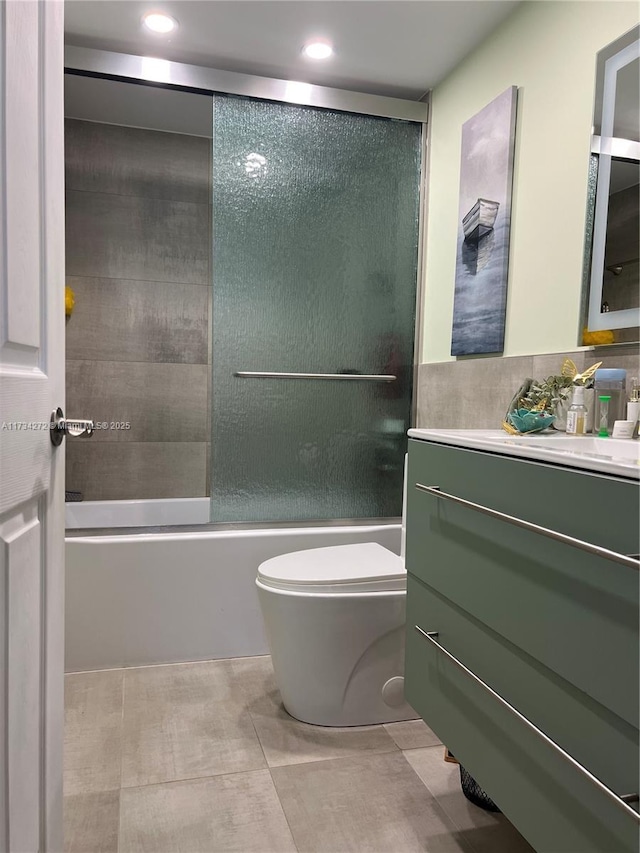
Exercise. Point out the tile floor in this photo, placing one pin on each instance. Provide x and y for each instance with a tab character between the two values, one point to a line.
202	758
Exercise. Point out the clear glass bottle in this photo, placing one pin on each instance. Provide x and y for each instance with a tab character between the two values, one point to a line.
577	414
633	406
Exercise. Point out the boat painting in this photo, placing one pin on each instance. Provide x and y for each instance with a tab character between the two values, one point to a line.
484	224
480	219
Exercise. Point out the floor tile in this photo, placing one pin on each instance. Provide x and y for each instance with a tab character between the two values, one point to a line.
93	731
288	741
363	804
91	822
412	734
190	720
236	812
486	832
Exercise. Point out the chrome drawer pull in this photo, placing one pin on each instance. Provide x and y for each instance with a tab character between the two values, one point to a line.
621	802
623	559
630	798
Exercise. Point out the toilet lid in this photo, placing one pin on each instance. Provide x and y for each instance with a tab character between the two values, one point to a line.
363	567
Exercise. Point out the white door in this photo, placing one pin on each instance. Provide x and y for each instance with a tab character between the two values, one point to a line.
31	386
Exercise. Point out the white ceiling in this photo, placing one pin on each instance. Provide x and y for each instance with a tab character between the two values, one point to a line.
400	48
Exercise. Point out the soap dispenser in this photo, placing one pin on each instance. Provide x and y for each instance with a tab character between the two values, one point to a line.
577	414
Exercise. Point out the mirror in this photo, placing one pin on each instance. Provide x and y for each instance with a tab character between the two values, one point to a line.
613	223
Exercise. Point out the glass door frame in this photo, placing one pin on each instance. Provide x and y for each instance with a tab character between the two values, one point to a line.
129	68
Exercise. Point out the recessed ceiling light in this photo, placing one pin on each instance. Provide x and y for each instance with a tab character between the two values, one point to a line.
159	23
317	50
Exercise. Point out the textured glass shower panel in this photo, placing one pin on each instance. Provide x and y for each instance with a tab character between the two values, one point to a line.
315	234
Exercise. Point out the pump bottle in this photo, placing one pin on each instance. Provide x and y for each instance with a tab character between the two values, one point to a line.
577	414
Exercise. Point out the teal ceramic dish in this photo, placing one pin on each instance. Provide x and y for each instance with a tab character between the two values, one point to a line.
525	421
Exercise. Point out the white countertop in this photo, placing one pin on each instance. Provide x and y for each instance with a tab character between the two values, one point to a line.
617	456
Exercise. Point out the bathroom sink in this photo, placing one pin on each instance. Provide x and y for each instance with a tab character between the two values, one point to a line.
618	456
611	448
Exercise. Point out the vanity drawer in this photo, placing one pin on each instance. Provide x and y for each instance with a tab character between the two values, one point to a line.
574	612
555	806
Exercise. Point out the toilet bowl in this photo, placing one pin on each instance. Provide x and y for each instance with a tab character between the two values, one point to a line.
335	622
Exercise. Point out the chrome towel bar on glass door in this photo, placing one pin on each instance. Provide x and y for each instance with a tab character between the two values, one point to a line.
619	800
535	528
357	377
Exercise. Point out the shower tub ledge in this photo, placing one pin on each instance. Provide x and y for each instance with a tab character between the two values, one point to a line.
137	598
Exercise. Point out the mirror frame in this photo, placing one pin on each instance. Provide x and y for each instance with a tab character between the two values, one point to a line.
605	147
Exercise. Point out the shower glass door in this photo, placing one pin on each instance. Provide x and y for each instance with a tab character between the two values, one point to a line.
315	244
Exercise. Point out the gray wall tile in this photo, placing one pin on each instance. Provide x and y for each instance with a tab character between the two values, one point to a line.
475	393
469	393
119	320
117	236
122	470
162	402
108	158
551	365
138	248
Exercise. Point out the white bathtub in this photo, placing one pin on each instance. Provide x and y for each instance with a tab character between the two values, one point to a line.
147	598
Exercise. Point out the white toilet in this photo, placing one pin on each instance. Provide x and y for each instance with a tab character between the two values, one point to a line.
335	622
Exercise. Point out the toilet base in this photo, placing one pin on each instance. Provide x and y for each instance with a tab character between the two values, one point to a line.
341	719
339	658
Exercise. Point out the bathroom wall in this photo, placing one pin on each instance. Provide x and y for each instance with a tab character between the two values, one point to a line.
138	248
547	49
474	393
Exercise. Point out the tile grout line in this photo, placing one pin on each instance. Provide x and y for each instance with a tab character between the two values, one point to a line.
110	193
154	281
320	761
206	778
282	809
123	361
266	761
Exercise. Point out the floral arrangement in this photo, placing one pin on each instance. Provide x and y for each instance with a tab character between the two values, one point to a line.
544	395
534	406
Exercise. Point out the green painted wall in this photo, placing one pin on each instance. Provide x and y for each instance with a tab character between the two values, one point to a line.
548	49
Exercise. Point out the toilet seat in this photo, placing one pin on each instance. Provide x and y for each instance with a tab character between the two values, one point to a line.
357	568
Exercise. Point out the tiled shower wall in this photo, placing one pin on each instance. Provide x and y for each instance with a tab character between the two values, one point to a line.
474	393
138	249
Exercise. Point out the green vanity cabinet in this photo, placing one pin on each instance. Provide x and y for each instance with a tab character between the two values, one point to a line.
551	629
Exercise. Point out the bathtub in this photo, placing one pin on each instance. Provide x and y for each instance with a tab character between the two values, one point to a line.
142	598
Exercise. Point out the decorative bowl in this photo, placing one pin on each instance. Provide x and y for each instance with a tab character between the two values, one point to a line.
525	421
